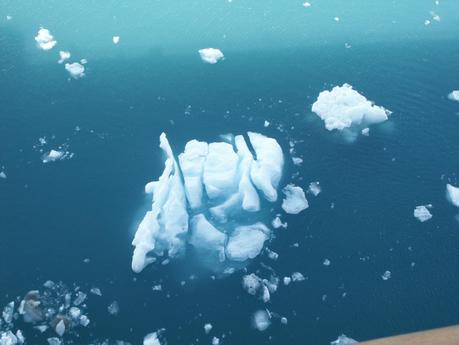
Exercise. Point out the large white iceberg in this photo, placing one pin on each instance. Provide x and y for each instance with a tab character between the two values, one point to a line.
452	194
204	199
343	107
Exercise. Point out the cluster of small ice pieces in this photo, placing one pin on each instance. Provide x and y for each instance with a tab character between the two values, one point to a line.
205	195
46	41
422	213
344	108
210	55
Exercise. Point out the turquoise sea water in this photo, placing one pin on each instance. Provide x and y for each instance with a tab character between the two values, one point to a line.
278	57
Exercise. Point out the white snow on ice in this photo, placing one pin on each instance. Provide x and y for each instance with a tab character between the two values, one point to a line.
343	107
44	39
210	55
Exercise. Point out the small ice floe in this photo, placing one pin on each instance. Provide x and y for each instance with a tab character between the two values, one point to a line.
306	4
343	107
287	280
210	55
113	308
454	95
54	341
297	160
272	255
116	39
435	16
336	19
343	340
314	188
295	199
452	194
277	223
261	320
262	288
63	55
284	320
54	155
426	22
75	69
266	124
3	174
386	275
96	291
8	312
297	277
83	61
8	18
347	45
215	341
422	213
207	328
60	328
44	39
157	287
326	262
366	132
153	338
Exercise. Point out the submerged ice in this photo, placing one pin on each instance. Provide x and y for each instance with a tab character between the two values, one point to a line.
203	198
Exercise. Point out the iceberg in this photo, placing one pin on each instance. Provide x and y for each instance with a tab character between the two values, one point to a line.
343	340
454	95
452	194
63	55
295	199
343	107
53	156
261	320
203	197
210	55
45	40
422	213
163	228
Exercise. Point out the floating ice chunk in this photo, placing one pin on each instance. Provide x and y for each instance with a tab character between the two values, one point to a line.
84	320
8	312
20	337
8	18
113	308
306	4
452	194
192	164
60	328
207	328
277	223
261	320
44	39
75	69
343	107
211	55
366	132
220	170
251	283
75	312
215	341
297	160
96	291
153	338
336	19
287	280
314	188
3	175
386	275
297	277
266	124
63	55
204	236
284	320
327	262
267	168
343	340
246	242
80	298
454	96
272	255
165	226
422	213
54	341
295	199
116	39
53	156
8	338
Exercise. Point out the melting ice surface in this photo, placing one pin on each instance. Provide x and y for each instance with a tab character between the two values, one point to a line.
200	197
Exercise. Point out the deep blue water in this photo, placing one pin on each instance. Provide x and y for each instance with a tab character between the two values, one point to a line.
53	216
